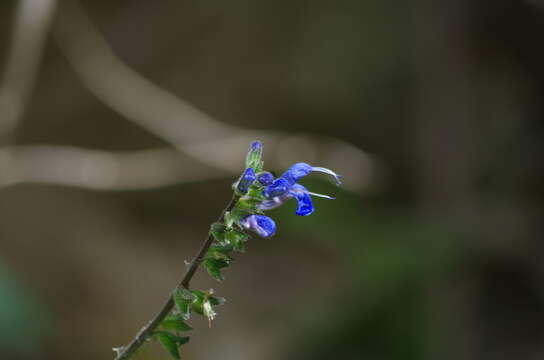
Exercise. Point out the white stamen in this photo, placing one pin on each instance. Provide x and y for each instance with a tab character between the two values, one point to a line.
320	195
329	172
313	194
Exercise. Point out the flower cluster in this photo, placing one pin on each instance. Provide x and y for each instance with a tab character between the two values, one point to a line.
261	191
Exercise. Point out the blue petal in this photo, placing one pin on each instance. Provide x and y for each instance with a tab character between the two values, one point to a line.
299	170
278	188
262	225
265	178
275	202
255	145
247	178
305	206
296	172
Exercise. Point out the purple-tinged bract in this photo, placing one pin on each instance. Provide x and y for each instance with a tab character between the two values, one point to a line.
260	224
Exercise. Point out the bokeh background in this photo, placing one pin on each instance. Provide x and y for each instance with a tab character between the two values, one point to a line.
124	123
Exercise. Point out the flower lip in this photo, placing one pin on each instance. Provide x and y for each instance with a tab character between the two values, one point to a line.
304	200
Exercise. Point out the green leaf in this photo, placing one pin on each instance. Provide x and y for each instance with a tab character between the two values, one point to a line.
214	266
237	238
219	255
182	340
256	194
221	248
219	263
169	343
183	299
198	307
214	271
200	296
240	210
175	322
218	232
216	300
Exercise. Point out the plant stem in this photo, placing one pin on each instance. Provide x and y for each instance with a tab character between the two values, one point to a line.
148	330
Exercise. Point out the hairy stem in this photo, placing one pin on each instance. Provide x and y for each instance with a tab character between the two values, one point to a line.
148	330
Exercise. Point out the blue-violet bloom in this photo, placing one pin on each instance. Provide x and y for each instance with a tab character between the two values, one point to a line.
265	178
286	187
247	178
262	225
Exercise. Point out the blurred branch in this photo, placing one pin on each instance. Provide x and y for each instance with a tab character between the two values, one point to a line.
124	90
145	169
97	170
31	25
189	130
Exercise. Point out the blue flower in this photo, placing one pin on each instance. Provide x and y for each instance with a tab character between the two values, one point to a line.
286	187
256	146
247	178
262	225
265	178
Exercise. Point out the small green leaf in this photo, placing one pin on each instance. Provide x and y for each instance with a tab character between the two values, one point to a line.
200	298
218	232
219	255
216	300
222	248
175	322
243	208
199	295
182	340
198	308
237	239
169	342
214	271
256	194
214	266
183	299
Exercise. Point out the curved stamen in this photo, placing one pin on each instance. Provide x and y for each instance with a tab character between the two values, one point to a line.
329	172
320	195
300	189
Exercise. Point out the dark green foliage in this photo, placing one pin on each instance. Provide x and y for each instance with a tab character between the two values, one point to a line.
171	342
218	256
218	231
237	239
216	300
183	299
175	322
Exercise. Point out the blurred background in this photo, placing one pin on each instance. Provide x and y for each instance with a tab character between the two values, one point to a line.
124	123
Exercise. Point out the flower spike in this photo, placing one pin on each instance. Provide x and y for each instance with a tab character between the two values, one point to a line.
255	192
